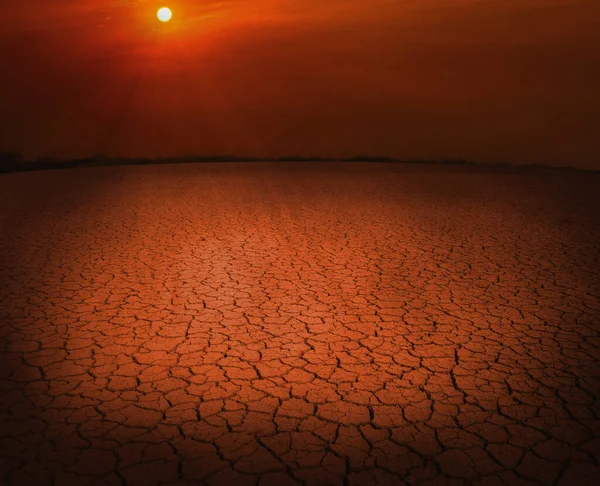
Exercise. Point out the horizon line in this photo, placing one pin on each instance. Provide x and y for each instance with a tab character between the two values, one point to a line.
15	162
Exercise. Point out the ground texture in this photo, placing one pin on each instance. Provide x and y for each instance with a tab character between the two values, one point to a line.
299	324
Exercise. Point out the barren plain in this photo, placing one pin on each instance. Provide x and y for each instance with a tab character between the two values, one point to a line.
282	323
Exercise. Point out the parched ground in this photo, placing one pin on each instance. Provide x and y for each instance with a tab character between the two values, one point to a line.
275	324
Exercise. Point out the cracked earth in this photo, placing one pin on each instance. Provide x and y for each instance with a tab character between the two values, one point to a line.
281	324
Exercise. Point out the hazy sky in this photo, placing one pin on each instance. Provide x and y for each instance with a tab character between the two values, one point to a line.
492	80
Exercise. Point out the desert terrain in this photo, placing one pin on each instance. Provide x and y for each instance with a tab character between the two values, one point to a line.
287	323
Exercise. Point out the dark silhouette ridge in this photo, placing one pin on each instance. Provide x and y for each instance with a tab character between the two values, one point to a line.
15	162
10	160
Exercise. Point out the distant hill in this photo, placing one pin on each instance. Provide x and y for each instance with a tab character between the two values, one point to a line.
14	161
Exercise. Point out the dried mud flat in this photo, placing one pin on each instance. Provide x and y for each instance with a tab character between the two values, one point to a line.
278	324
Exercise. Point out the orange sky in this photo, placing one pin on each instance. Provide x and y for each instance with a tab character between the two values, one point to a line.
493	80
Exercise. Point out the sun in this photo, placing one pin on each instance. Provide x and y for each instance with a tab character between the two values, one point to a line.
164	14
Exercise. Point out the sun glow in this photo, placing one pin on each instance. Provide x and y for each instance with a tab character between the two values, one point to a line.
164	14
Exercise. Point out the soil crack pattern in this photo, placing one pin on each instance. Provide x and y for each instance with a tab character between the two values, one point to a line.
299	324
